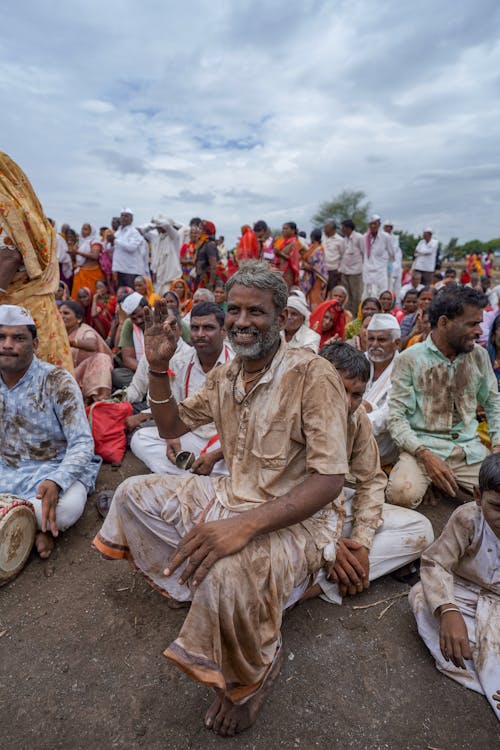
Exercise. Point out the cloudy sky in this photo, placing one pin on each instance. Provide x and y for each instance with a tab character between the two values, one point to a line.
238	110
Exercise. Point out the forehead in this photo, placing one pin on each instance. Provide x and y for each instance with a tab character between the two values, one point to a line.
352	385
247	296
14	330
204	320
380	334
470	313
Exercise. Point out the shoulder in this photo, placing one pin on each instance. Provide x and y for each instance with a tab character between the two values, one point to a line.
465	519
59	383
480	356
127	325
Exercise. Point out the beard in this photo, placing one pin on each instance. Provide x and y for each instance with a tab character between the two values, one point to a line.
379	355
264	343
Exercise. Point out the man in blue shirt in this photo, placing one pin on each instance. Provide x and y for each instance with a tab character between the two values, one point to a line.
46	451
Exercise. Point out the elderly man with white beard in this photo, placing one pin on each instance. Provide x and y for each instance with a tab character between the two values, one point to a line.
383	339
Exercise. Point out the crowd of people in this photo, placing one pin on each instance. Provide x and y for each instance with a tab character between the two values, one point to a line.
295	403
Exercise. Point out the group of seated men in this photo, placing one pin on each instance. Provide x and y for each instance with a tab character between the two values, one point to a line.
291	503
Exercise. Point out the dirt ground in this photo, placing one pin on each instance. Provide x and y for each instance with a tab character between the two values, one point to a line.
81	666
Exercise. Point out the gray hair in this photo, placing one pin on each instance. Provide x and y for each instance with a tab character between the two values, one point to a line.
258	274
204	295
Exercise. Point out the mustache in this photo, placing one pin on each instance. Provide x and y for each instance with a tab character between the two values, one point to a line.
249	329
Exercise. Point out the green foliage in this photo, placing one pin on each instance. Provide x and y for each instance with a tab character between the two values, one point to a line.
349	204
407	242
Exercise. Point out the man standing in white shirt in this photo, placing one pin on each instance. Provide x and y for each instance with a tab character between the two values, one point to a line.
165	251
130	251
425	256
332	245
209	350
396	268
351	264
379	252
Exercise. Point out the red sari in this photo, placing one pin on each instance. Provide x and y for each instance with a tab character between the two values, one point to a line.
316	321
248	247
287	253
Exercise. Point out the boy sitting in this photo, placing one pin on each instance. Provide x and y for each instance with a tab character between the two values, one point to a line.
457	602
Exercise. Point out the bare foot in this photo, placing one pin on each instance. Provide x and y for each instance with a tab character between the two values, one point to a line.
227	718
44	544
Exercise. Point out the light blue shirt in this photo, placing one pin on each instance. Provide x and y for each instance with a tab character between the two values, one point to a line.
44	432
433	401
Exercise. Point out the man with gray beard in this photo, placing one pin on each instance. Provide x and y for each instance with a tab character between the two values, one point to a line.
239	547
383	339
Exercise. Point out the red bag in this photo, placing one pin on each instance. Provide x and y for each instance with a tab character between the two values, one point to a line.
107	422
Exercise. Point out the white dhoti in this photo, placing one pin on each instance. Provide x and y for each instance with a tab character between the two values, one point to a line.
481	612
402	538
69	508
147	445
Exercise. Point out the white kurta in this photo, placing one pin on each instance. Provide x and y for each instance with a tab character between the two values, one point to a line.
462	568
376	264
377	394
130	252
425	255
165	262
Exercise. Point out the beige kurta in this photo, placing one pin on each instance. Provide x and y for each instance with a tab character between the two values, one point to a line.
273	437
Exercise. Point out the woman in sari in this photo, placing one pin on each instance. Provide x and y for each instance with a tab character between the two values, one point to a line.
92	357
181	289
103	309
144	286
287	252
314	277
388	304
86	255
369	306
494	347
339	293
208	265
328	320
29	269
248	246
188	252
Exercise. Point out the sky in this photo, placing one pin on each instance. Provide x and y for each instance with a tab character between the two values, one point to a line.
238	110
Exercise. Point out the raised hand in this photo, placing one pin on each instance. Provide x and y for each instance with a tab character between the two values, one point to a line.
159	339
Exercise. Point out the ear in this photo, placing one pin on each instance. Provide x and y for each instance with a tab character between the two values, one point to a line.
282	318
442	321
35	345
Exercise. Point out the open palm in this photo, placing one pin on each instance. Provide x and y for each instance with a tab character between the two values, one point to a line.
159	339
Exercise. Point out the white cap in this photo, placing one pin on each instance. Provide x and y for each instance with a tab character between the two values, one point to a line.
162	221
13	315
428	229
388	223
127	211
296	304
296	292
131	303
384	322
374	217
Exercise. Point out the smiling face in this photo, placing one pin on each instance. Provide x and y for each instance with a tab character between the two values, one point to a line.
381	347
83	297
69	318
253	324
179	289
140	286
386	301
462	332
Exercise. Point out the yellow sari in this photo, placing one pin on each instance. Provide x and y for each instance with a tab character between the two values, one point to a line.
23	226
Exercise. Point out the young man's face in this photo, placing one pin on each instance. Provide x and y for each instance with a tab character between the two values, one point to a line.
16	348
355	390
489	502
207	336
462	332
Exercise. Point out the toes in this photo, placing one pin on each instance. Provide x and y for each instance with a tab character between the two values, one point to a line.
212	713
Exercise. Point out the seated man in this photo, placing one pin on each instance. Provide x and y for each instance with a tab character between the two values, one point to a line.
436	388
457	603
377	538
208	351
383	338
296	331
46	450
253	537
137	391
131	344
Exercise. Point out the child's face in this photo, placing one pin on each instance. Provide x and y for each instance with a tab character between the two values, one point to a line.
489	503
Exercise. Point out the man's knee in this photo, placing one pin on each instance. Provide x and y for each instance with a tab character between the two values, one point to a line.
71	506
404	491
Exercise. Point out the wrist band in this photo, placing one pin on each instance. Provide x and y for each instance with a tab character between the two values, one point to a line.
161	373
449	609
163	401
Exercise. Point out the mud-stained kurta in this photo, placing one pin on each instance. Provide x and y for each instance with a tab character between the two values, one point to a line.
291	425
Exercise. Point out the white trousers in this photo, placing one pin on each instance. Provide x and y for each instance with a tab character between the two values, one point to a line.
402	538
69	508
147	445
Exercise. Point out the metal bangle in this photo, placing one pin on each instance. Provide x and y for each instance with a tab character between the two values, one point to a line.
448	609
163	401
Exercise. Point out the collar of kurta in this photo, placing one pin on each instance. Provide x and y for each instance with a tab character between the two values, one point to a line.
234	372
429	343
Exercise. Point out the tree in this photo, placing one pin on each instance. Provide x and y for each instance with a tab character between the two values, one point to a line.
407	242
349	204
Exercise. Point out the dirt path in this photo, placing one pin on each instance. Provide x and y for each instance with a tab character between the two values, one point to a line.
81	667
